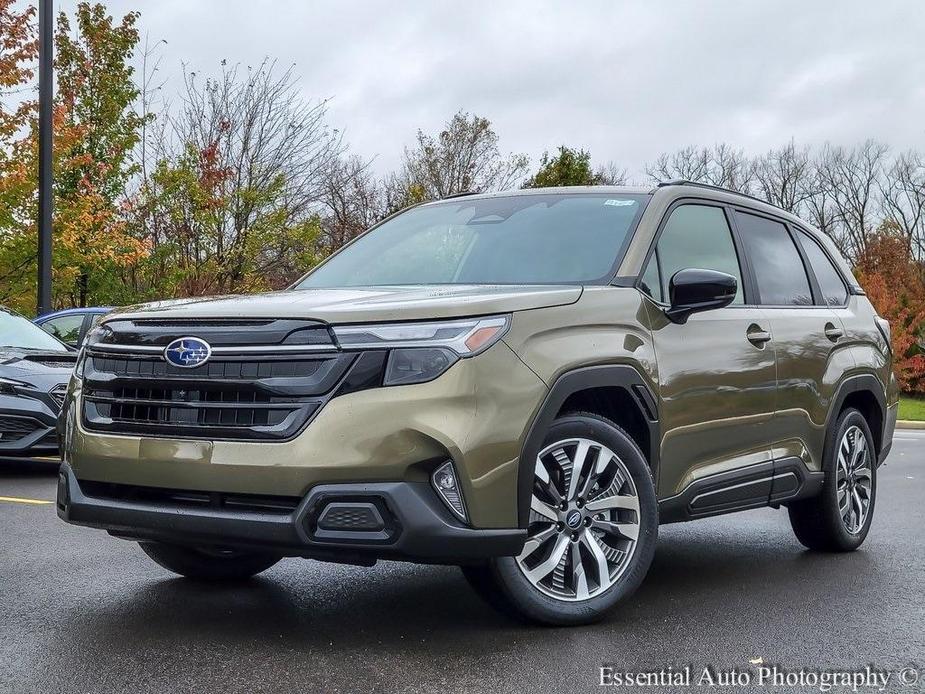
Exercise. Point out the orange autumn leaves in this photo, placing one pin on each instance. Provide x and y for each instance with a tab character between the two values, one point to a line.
94	134
895	283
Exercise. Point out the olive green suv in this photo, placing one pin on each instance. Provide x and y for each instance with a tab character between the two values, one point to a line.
525	384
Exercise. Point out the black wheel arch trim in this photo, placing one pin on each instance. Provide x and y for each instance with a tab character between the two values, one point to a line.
859	383
622	376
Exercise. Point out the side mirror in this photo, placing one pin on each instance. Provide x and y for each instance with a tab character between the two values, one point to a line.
693	290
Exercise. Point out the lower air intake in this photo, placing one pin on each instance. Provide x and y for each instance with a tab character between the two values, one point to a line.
350	516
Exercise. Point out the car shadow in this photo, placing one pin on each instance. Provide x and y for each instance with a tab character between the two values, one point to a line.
323	604
17	467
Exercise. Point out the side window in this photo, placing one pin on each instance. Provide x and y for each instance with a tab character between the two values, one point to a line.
652	279
779	270
695	236
65	328
834	291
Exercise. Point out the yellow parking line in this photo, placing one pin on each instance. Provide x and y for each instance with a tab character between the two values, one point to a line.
17	500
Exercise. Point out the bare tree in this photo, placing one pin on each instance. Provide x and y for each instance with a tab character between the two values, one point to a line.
463	157
354	200
902	195
819	206
782	174
720	165
610	175
850	177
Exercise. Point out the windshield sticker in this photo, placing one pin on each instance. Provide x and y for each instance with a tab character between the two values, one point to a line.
620	203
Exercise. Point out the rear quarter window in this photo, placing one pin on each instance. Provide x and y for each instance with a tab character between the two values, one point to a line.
834	290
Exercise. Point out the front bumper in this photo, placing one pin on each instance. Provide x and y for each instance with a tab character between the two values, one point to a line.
414	525
36	422
474	414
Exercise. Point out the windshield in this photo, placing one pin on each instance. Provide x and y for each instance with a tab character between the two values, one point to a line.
518	239
16	331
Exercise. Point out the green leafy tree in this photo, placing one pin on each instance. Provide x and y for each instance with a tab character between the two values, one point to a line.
571	167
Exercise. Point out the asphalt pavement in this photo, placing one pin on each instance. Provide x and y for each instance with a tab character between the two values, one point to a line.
83	612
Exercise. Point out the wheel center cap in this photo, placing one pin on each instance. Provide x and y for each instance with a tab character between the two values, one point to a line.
573	519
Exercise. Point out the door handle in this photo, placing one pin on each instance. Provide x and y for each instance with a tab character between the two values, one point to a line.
832	332
757	336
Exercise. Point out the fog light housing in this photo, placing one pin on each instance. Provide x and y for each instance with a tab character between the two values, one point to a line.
447	487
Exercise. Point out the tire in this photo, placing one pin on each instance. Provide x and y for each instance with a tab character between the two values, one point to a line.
616	533
208	565
819	523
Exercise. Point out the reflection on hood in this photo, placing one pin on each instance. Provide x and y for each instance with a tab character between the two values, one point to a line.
43	370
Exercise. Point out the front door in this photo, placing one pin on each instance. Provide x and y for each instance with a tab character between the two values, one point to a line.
716	372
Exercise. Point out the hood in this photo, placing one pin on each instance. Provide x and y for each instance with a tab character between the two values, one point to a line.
362	304
42	370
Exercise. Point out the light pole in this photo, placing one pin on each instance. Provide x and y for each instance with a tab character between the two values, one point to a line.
46	81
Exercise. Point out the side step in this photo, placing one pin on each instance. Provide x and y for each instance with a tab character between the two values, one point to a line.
754	486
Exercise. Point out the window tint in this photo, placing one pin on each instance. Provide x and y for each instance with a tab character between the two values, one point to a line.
834	292
696	236
65	328
778	267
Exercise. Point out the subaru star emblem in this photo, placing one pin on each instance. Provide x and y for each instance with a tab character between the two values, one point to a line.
573	520
187	352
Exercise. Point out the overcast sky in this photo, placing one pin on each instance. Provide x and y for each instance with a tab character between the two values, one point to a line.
625	80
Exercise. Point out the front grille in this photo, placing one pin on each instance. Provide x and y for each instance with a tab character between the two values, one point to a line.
17	428
245	391
235	370
191	407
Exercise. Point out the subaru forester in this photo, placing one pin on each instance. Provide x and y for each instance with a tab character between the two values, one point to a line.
525	384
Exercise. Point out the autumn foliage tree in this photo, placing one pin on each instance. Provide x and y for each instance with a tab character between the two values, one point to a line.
96	92
95	133
895	284
18	51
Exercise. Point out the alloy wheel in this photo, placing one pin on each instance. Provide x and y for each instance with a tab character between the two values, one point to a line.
853	479
584	520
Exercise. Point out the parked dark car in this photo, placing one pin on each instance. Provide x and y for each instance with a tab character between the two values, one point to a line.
72	324
34	372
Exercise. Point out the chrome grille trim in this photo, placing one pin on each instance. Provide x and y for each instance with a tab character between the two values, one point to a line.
148	350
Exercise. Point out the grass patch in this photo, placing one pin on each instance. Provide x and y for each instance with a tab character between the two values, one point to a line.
912	408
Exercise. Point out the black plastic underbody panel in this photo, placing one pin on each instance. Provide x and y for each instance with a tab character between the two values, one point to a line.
416	526
754	486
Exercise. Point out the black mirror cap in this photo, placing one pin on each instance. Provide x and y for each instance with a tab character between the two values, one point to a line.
694	289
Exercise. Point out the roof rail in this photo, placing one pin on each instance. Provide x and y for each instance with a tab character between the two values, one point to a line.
698	184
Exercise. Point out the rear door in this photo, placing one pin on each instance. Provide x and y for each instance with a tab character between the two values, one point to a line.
806	334
716	372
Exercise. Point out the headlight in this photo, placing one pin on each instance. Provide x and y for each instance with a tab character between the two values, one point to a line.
464	337
8	386
420	352
93	337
